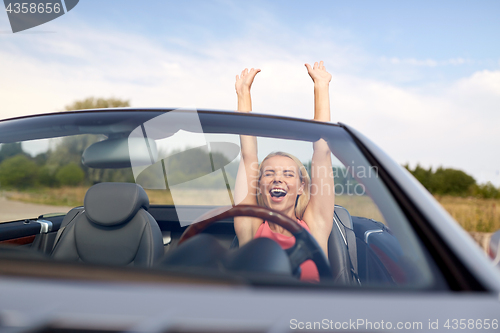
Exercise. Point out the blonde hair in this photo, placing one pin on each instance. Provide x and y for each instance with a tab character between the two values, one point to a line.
303	199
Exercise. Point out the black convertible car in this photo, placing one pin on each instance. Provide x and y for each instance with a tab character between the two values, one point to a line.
122	220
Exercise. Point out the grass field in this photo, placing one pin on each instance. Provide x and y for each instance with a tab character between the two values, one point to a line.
479	215
63	196
476	215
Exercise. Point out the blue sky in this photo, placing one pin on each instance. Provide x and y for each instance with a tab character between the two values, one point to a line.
420	78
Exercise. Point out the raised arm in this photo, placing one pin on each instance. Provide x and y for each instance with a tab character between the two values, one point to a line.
320	210
248	171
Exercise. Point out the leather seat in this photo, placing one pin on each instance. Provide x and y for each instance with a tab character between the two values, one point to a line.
113	228
342	252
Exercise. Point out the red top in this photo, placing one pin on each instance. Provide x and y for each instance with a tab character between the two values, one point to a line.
309	270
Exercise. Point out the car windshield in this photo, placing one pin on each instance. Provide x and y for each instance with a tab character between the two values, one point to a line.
187	162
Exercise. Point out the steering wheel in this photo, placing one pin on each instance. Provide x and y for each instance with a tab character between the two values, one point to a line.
305	246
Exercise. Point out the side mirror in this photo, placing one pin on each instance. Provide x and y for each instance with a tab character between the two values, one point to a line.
494	249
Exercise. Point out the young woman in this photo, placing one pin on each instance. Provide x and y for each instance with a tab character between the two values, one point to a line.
282	183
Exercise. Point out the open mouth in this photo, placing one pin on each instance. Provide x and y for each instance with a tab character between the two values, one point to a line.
277	192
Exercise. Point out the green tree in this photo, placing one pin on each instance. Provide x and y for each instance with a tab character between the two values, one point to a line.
10	149
97	103
46	177
70	149
18	172
70	175
453	182
444	181
424	176
41	159
486	191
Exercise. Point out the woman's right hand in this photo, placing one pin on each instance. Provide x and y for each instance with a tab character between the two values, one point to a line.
318	73
245	80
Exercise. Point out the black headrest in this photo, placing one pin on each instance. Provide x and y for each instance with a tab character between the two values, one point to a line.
109	204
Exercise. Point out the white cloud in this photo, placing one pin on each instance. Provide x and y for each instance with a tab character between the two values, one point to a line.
457	61
454	127
414	62
481	82
426	62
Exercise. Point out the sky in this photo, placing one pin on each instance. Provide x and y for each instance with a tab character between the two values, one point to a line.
419	78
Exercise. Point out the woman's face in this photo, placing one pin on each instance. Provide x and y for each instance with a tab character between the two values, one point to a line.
280	183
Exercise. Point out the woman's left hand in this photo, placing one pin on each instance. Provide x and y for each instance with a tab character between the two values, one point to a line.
245	80
318	73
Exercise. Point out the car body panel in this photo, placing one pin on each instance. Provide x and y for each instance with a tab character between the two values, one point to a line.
447	228
100	305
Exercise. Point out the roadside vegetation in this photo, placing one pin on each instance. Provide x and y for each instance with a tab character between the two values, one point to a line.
453	182
473	214
60	166
474	206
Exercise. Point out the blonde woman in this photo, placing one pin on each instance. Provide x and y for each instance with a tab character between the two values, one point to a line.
281	181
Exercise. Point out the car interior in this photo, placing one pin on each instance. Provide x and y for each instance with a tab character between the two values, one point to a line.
118	226
126	231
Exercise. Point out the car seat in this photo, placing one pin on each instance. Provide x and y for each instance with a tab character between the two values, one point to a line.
113	228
